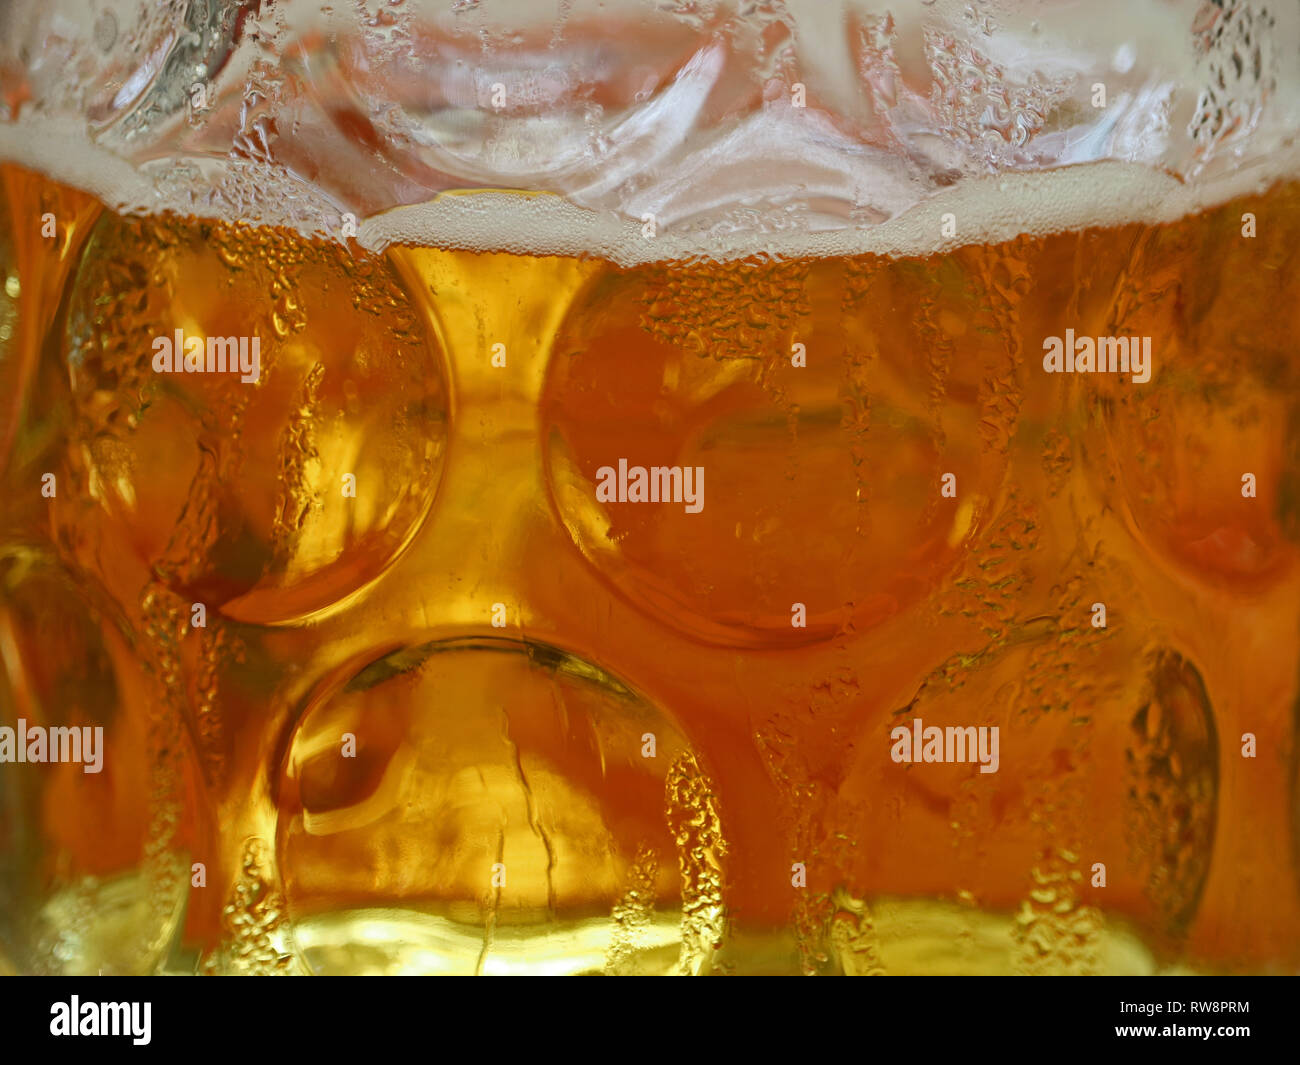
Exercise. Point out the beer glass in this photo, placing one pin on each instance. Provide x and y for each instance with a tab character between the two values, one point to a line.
649	488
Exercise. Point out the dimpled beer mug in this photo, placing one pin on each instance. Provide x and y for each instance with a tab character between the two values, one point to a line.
720	487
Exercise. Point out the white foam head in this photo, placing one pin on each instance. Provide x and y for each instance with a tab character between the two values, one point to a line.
896	133
982	210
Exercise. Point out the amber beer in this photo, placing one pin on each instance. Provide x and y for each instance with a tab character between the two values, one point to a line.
394	678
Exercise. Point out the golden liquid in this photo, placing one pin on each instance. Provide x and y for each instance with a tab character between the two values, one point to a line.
470	718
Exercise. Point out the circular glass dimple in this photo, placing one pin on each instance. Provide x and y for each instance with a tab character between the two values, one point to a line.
1172	770
494	806
1016	775
98	785
260	420
762	454
1217	513
1204	451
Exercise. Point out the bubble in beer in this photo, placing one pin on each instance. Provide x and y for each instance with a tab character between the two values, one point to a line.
489	806
280	484
253	920
96	868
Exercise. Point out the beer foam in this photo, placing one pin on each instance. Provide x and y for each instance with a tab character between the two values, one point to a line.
981	210
59	148
984	209
903	134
